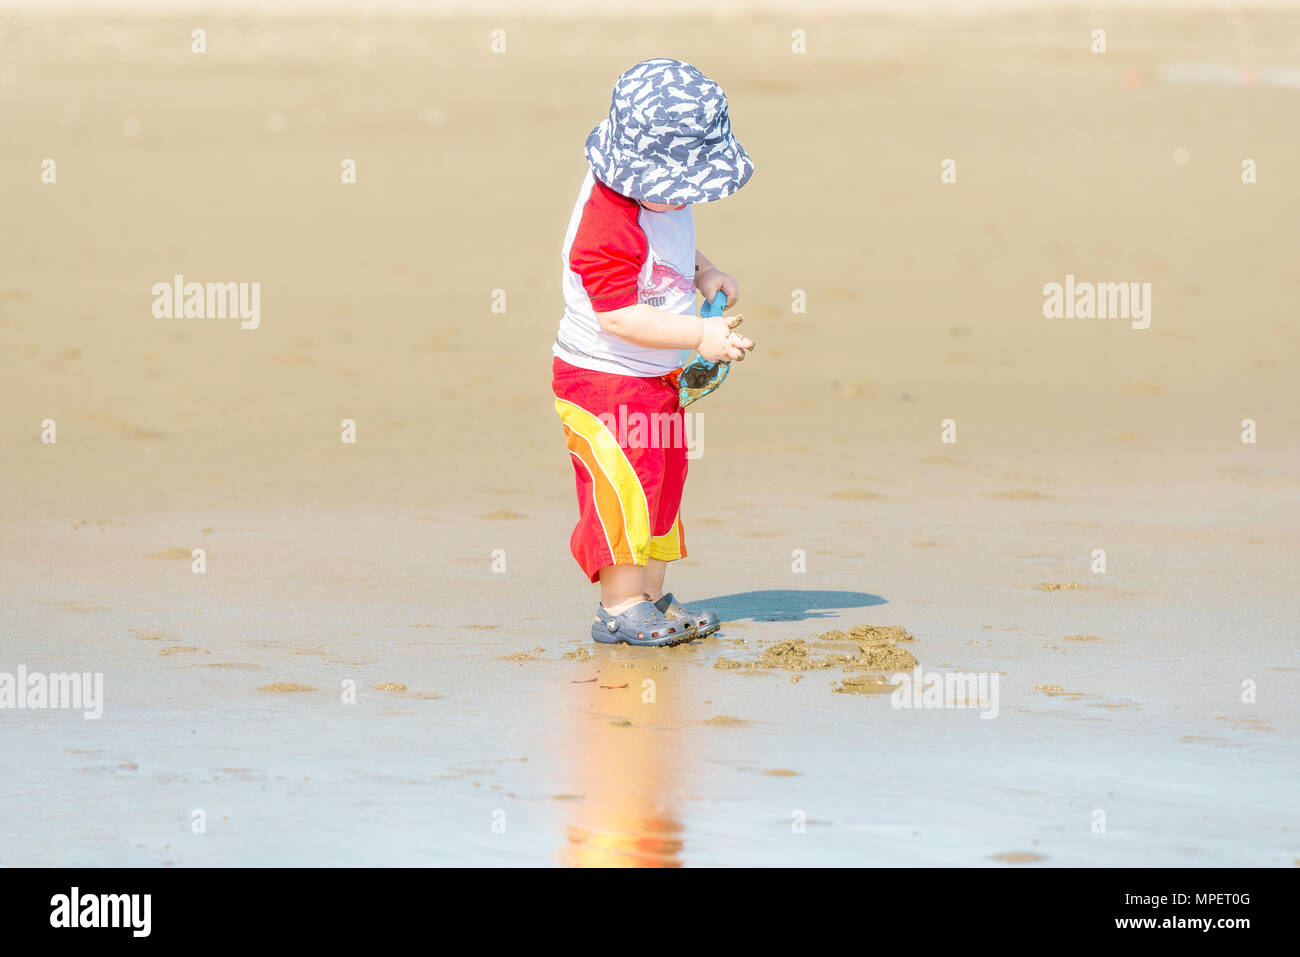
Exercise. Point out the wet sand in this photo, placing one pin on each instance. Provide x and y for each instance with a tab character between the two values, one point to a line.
370	567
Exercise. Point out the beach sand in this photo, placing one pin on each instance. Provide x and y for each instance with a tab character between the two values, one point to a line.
430	558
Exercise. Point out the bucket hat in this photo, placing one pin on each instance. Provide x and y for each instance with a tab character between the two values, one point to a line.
668	137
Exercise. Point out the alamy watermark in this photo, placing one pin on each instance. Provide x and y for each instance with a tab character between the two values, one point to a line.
36	690
656	430
946	689
1100	300
179	299
129	911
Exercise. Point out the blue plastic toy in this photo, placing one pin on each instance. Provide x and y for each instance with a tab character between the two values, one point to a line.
700	377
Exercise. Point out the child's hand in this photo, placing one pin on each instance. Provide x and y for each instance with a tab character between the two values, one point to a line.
710	281
719	343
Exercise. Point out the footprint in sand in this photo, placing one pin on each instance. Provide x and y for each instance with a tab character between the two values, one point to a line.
1018	857
727	721
857	390
177	554
178	650
285	687
1144	387
389	686
1249	724
113	424
80	608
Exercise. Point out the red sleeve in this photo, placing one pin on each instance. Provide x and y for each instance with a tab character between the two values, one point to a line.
609	249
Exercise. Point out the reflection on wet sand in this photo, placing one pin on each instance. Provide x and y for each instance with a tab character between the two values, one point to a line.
628	753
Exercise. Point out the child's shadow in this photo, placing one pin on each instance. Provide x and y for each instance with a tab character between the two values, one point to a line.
785	604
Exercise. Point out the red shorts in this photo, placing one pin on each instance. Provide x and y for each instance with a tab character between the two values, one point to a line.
627	439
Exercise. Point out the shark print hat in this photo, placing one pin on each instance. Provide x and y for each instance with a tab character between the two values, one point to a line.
668	137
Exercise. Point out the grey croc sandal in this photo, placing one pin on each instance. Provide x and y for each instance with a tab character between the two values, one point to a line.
643	624
705	622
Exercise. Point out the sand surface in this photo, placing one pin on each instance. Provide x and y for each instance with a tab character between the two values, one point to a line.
486	727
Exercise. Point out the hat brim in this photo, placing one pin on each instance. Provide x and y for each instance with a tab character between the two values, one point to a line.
727	170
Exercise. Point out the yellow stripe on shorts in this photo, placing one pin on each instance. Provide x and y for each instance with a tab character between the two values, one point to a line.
668	547
620	500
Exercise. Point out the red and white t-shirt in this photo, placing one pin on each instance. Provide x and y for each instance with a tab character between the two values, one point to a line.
616	254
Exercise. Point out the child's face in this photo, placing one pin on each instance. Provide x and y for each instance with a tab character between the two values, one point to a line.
661	207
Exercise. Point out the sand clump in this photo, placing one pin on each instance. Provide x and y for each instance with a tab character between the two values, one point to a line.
792	655
863	684
874	634
877	650
727	721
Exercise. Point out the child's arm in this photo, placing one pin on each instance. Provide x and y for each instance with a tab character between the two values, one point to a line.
709	279
644	325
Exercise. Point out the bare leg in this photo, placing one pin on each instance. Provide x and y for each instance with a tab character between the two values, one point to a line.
653	580
621	586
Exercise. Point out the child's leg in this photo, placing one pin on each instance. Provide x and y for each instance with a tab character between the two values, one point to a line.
621	587
652	582
625	585
668	541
